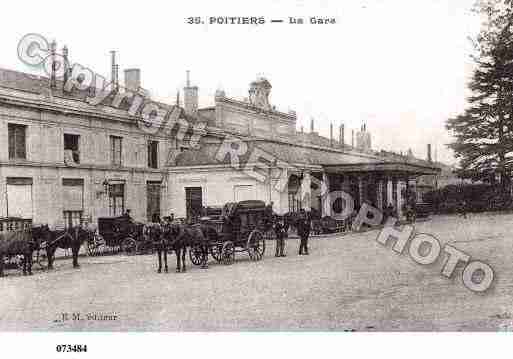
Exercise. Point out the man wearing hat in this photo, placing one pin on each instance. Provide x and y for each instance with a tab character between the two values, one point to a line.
281	234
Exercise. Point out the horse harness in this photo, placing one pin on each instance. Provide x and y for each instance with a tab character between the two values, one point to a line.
62	236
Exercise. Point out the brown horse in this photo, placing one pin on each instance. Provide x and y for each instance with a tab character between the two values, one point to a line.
154	231
180	236
18	243
65	239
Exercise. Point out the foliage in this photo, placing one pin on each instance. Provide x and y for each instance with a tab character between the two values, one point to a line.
484	131
478	198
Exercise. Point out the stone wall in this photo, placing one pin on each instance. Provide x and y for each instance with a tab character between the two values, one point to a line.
45	161
219	186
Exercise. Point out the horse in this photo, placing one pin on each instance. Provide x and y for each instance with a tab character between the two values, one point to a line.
18	243
154	231
290	219
180	236
68	238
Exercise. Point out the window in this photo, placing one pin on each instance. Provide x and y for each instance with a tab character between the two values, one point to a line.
17	143
71	151
153	154
152	199
117	199
72	201
115	150
19	197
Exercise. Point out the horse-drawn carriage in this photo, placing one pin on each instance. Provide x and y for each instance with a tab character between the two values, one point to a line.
116	234
13	225
241	228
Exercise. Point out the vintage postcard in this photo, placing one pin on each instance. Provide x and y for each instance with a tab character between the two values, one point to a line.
256	166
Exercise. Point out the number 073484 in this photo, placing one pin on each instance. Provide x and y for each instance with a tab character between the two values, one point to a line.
71	348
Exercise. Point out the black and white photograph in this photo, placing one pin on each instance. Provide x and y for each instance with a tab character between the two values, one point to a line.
275	168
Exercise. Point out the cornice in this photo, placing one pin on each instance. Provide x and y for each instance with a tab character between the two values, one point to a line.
248	108
59	165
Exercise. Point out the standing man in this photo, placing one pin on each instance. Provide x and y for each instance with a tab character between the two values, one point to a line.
279	228
303	230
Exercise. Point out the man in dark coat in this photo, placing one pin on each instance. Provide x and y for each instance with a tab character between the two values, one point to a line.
279	229
303	231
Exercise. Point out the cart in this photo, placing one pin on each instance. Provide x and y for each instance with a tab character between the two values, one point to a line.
241	228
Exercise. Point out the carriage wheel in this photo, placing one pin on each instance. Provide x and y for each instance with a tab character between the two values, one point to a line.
94	245
228	253
196	254
99	250
216	251
129	246
92	248
256	245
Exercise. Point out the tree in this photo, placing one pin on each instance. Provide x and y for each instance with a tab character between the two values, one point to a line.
484	132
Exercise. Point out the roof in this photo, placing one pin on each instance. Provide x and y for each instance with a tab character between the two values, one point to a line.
301	155
38	84
299	149
296	154
41	85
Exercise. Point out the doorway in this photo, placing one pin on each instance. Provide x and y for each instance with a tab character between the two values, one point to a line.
193	202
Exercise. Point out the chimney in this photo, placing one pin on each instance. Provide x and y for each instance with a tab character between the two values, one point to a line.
178	98
341	135
66	66
190	97
53	81
114	70
429	152
311	125
352	138
133	79
331	134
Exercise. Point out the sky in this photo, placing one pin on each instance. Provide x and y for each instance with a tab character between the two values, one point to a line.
401	67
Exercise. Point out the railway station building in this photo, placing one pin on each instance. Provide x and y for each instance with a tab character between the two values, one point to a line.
63	160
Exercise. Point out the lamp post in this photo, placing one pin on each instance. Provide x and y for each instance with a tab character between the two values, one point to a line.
105	184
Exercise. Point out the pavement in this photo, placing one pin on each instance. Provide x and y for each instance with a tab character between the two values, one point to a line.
348	283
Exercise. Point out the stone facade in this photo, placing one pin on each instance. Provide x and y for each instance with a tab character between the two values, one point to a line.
47	120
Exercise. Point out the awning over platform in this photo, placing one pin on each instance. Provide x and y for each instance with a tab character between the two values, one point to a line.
405	168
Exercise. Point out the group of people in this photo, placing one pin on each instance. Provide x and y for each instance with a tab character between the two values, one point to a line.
303	224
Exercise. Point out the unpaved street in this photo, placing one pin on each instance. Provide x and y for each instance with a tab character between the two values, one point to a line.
347	282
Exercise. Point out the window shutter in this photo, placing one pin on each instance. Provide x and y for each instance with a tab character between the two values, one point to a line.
12	141
20	142
19	197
